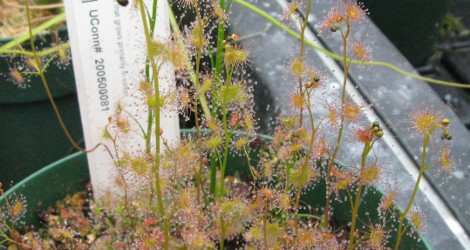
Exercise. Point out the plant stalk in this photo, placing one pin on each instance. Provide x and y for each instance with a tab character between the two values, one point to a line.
40	72
352	238
422	169
341	125
227	135
302	52
157	124
220	46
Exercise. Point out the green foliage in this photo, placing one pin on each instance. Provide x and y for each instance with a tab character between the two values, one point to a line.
452	26
228	94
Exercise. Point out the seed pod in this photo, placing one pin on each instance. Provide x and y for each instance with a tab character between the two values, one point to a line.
446	135
376	124
123	3
379	133
335	27
445	122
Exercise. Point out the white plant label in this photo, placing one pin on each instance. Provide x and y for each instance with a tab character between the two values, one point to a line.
109	51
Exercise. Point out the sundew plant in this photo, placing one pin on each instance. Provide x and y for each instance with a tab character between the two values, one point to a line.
224	186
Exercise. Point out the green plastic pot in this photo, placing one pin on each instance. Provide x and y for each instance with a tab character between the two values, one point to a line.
70	175
30	134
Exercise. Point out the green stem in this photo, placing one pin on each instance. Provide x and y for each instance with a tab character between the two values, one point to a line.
338	57
307	157
192	74
296	214
365	152
148	138
153	18
42	53
213	176
40	69
422	169
300	80
200	34
226	146
341	125
226	131
302	52
201	99
32	32
265	223
306	216
220	46
314	132
157	125
252	170
222	236
354	217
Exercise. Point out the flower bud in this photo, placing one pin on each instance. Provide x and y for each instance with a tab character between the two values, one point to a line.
309	85
123	3
379	133
376	124
235	37
316	79
446	135
335	27
445	122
